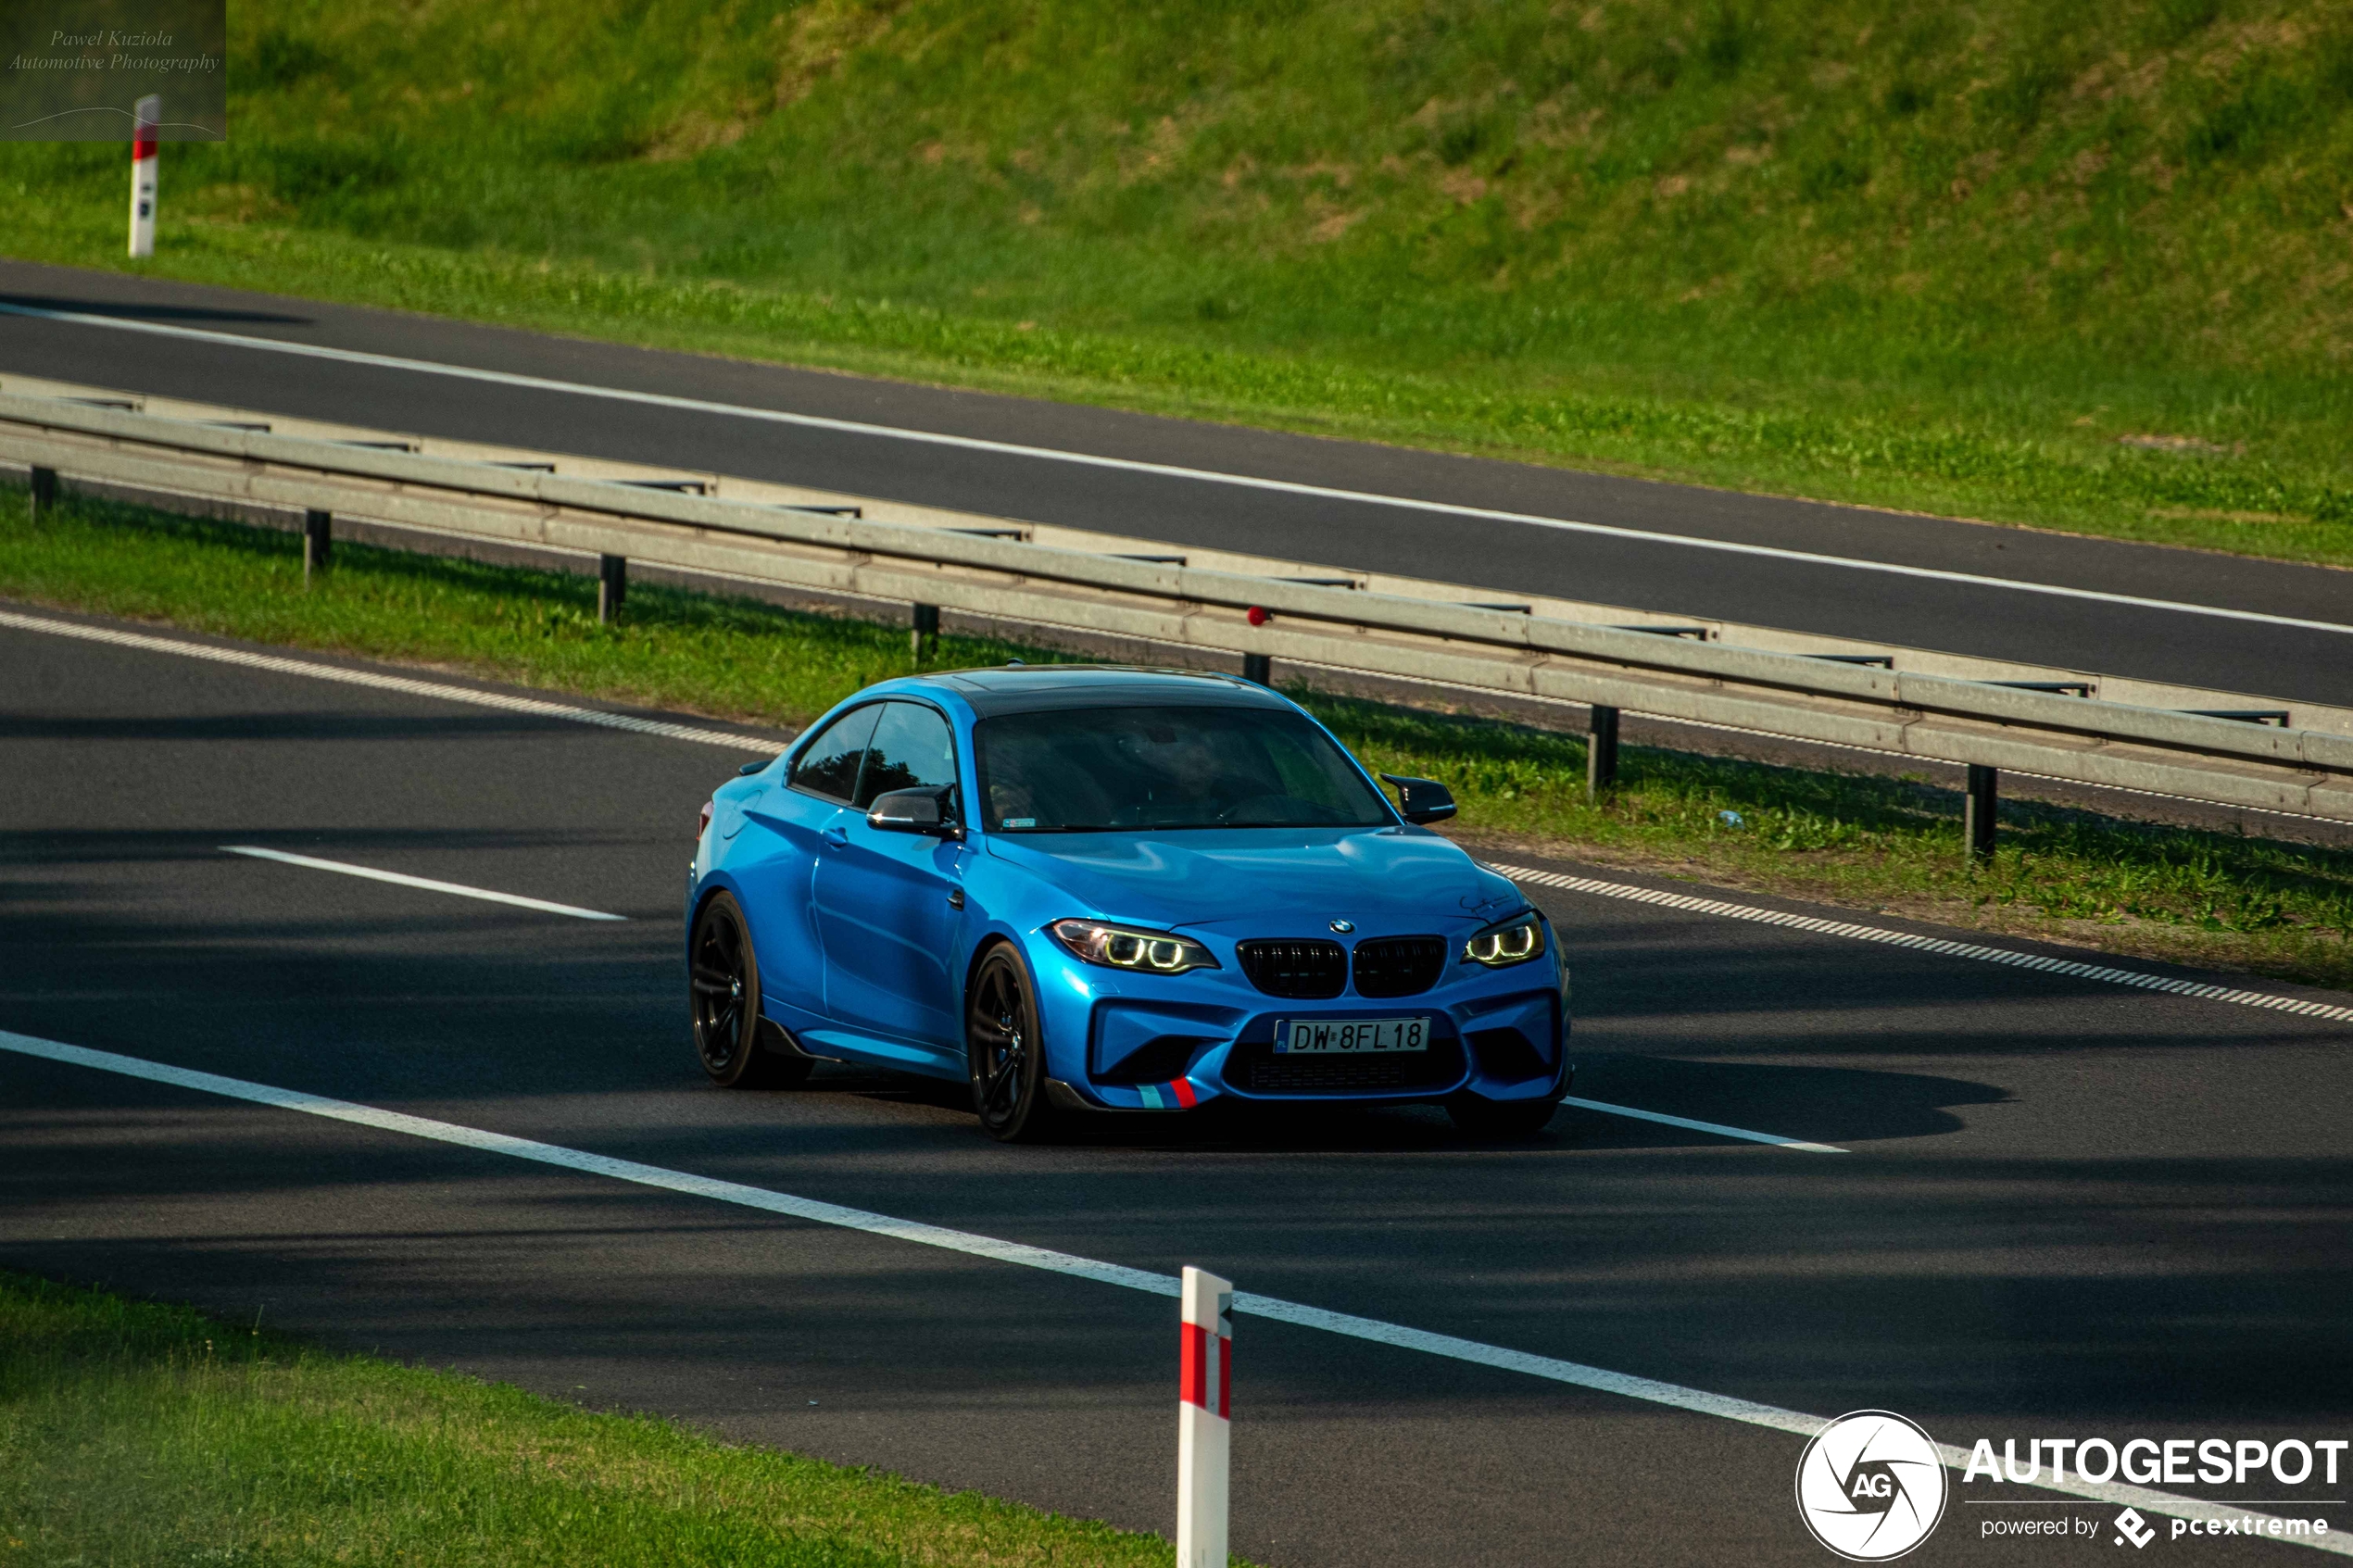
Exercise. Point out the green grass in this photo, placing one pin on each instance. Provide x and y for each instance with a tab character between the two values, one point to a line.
1942	258
2213	898
133	1434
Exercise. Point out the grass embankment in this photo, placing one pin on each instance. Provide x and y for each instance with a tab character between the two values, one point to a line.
2080	268
135	1435
2198	897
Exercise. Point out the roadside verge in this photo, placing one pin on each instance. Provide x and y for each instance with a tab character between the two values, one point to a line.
2211	899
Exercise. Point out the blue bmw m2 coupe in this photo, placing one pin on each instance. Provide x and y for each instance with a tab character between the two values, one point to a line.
1081	888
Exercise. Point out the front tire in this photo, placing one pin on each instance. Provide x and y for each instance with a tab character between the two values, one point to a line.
723	999
1003	1052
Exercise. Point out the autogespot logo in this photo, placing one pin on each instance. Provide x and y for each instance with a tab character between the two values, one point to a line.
1869	1486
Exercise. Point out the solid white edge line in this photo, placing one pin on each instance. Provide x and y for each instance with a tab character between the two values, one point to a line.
1718	1128
428	884
439	691
2301	1006
1275	1309
1133	465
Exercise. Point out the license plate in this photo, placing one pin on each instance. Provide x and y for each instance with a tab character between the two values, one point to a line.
1350	1036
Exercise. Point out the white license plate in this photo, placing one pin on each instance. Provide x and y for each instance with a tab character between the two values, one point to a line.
1350	1036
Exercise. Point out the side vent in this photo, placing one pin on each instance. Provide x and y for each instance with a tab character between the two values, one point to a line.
1154	1061
1508	1054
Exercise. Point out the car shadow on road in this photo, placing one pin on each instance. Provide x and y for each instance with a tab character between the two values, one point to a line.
1827	1105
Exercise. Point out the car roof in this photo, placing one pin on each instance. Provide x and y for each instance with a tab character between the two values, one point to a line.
1026	688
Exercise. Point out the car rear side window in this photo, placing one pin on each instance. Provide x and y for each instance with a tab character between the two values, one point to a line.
828	765
912	748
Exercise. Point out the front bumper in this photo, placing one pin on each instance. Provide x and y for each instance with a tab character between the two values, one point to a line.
1498	1042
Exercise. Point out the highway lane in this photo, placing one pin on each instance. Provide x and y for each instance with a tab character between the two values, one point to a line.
2070	1207
1509	557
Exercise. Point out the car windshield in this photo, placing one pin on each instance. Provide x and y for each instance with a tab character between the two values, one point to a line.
1112	770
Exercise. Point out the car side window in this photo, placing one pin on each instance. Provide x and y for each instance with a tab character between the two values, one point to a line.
912	748
828	765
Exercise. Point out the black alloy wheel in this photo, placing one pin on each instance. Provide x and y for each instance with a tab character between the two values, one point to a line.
1003	1052
1501	1121
724	1001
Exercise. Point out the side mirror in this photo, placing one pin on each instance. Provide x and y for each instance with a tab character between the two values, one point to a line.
913	810
1422	800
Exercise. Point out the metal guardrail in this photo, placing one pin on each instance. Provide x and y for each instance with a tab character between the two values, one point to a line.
2039	727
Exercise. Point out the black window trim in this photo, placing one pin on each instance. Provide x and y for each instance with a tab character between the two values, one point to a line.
1396	818
800	746
956	785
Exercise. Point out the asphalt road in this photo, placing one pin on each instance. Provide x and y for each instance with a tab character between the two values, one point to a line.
2261	658
2070	1208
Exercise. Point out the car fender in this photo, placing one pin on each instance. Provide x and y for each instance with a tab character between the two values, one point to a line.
1007	902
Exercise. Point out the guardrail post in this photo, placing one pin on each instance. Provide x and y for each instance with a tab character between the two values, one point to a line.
1258	667
2217	750
612	586
44	492
1978	814
926	634
318	541
1204	1417
1600	754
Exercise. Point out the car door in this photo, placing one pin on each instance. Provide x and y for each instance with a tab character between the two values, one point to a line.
884	915
774	859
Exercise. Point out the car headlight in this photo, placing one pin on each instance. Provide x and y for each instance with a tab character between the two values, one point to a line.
1515	940
1121	946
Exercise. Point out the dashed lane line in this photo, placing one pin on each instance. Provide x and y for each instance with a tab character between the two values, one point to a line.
2301	1006
309	862
583	715
915	1231
1978	952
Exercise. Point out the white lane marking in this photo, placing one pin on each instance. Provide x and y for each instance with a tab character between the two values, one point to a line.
1373	1330
1133	465
2301	1006
461	890
1718	1128
536	706
1518	874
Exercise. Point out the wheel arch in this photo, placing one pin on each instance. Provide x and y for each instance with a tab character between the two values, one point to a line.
988	943
709	888
711	885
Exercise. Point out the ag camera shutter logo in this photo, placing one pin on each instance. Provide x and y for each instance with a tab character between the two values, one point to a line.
1870	1486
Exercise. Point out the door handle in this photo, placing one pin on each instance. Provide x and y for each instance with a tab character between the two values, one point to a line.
955	897
837	838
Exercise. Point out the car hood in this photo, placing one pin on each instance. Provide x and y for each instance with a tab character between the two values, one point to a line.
1268	879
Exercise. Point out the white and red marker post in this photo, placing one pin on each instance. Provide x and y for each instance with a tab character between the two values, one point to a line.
144	120
1204	1418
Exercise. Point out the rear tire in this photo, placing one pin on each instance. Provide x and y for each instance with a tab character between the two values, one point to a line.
1509	1121
723	1001
1004	1052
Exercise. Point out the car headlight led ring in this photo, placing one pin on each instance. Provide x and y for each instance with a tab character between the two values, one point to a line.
1506	943
1128	948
